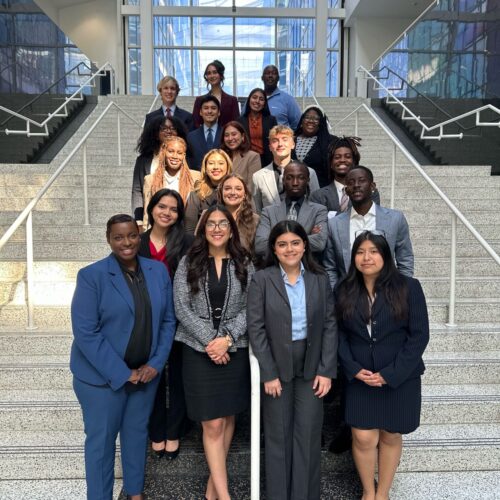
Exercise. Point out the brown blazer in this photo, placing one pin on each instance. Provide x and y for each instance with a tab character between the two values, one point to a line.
246	166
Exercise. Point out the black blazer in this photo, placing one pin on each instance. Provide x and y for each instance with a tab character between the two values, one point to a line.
184	116
268	122
395	348
198	146
141	169
269	323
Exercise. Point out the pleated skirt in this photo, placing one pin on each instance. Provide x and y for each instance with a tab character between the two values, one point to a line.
393	410
214	391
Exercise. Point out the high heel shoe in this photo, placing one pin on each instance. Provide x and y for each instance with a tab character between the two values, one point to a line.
158	454
172	455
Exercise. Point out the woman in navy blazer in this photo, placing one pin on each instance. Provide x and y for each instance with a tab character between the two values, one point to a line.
384	329
123	322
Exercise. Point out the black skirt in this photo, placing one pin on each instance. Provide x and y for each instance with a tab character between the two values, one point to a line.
393	410
214	391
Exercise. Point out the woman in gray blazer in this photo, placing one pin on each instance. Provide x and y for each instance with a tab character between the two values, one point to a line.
210	304
293	334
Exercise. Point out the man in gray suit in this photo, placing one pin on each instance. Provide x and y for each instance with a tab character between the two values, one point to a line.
311	216
365	215
268	187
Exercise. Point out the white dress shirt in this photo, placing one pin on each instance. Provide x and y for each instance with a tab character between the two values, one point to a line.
362	222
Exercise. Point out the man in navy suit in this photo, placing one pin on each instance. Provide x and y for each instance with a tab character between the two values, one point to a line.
208	135
168	88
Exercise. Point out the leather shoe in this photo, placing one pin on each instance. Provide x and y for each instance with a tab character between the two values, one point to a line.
172	455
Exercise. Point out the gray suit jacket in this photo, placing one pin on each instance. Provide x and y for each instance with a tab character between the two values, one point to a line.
310	215
337	258
269	322
329	197
265	190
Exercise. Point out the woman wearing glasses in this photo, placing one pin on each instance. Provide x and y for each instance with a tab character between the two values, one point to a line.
312	140
210	303
383	332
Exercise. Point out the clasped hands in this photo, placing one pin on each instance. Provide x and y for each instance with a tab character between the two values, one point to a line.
370	378
144	374
321	386
217	351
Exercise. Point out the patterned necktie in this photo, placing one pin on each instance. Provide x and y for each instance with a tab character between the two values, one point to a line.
292	213
210	139
344	201
280	180
168	114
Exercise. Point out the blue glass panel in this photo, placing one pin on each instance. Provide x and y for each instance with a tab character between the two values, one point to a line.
295	67
134	71
133	2
296	4
5	28
171	31
72	57
171	3
213	31
174	62
134	30
333	33
332	74
333	4
255	3
201	59
249	66
35	69
295	33
35	29
255	32
212	3
6	69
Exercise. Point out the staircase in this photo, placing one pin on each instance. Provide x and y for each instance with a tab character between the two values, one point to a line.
454	454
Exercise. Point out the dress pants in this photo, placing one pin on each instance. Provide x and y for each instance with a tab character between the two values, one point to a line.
105	414
292	432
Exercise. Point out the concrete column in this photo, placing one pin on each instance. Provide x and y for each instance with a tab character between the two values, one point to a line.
146	12
320	49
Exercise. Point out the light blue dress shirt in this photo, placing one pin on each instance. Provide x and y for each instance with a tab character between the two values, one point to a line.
285	108
297	298
214	130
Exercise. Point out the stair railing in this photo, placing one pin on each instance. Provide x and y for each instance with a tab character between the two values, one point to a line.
62	110
408	114
27	213
456	214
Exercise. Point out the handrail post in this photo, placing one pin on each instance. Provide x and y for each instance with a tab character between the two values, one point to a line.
393	174
29	272
453	271
356	120
118	128
254	428
85	187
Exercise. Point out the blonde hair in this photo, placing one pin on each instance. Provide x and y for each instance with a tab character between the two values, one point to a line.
186	183
165	80
204	187
280	129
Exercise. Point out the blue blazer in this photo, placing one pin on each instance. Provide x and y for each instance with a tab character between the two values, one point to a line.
198	146
102	316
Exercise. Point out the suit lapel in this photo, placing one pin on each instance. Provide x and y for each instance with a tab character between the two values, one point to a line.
345	240
304	215
278	283
334	197
311	284
154	298
383	223
270	183
118	281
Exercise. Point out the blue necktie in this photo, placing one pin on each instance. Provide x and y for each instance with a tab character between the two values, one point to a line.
210	138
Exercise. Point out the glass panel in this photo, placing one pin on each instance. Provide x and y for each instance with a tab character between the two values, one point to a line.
294	67
134	71
212	3
134	30
5	28
7	70
296	33
333	4
171	31
255	3
296	4
333	33
213	31
332	74
36	69
73	56
201	58
257	32
174	62
133	2
171	3
249	66
35	29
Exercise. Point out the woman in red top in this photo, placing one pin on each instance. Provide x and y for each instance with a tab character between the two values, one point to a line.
167	242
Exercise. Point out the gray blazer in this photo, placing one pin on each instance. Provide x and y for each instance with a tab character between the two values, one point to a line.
310	215
328	197
337	257
194	315
269	320
265	190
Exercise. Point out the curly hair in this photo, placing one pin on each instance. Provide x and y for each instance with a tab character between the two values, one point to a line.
245	220
204	187
186	183
149	143
197	259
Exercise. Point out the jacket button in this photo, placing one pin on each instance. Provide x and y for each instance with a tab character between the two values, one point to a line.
374	340
374	322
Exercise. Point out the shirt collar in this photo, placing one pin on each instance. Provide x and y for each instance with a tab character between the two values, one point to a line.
172	108
213	127
338	185
372	212
285	276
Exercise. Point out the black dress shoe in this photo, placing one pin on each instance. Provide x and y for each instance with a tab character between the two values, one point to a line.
172	455
342	441
158	454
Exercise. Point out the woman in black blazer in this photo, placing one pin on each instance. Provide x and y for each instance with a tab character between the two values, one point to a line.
293	334
167	242
383	329
258	121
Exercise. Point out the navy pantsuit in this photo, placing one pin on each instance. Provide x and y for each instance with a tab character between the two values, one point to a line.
102	315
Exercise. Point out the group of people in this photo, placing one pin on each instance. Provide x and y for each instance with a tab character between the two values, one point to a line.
247	232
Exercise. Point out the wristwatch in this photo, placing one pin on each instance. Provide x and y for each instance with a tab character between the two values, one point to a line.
229	340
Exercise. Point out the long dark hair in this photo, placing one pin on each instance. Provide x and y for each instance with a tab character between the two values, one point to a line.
390	283
220	68
198	256
291	226
265	110
176	232
245	144
149	141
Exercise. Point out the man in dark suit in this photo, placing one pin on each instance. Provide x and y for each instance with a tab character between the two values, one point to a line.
311	216
168	88
208	135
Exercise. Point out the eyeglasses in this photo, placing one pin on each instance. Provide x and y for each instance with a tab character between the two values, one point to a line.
312	119
223	224
375	232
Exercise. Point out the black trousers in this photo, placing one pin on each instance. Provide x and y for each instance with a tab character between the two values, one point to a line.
169	423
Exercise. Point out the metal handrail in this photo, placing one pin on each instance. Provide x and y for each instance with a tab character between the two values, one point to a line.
456	213
254	426
29	103
60	111
27	213
409	115
153	104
